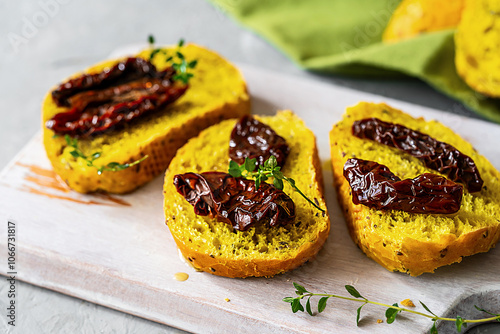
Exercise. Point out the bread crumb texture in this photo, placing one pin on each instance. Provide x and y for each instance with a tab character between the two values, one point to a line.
414	17
216	247
477	43
408	242
217	91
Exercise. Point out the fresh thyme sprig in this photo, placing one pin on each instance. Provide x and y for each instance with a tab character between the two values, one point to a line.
264	172
390	314
111	167
179	62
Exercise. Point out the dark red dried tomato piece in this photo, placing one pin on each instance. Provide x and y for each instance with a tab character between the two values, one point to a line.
125	71
375	186
235	200
435	154
253	139
104	101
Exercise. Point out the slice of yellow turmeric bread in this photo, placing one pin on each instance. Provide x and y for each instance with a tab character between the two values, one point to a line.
214	246
477	43
415	17
217	91
408	242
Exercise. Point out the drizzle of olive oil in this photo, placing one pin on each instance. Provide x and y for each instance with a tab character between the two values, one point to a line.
181	277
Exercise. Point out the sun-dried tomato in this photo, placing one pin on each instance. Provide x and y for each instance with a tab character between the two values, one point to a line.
103	101
253	139
435	154
375	186
235	200
130	69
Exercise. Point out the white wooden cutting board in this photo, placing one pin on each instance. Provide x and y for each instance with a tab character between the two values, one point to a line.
116	251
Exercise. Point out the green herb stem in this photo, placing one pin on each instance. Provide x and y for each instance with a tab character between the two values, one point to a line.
366	301
269	169
179	63
301	193
110	167
391	312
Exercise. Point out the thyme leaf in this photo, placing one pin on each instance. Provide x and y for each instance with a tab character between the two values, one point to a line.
110	167
263	173
390	313
179	63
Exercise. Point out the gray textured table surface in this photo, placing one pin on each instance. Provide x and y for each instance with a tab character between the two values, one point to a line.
44	41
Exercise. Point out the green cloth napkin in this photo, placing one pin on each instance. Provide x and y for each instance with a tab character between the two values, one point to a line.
344	37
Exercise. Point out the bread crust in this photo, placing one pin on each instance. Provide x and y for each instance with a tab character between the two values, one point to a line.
160	145
403	251
241	266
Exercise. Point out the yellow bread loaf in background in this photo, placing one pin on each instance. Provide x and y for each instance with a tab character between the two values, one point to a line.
414	17
408	242
477	45
217	91
214	246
